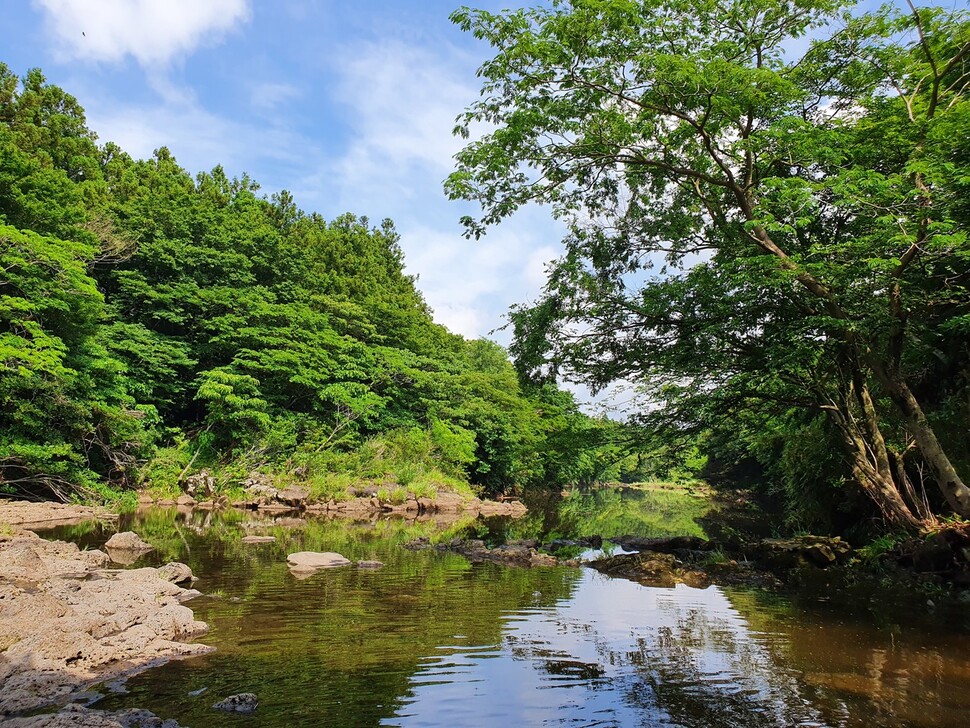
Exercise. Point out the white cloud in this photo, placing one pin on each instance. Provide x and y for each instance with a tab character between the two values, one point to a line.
538	262
266	97
153	32
403	100
198	138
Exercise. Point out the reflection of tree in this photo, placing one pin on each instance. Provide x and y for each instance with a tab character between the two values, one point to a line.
339	648
868	675
607	512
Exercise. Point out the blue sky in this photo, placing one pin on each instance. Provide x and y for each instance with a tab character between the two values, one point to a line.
349	105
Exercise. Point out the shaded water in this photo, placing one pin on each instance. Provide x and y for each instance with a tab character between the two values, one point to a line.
431	640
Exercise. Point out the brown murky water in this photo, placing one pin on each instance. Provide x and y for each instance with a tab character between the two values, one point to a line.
431	640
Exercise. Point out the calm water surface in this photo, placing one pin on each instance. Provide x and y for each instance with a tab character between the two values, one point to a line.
431	640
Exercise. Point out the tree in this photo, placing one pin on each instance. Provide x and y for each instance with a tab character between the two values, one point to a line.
748	227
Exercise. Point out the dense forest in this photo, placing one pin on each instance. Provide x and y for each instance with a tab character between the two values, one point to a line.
770	245
153	323
768	210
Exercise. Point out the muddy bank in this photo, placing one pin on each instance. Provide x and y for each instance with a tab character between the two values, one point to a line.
67	621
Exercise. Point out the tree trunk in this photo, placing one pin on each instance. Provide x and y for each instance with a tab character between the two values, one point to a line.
880	487
954	489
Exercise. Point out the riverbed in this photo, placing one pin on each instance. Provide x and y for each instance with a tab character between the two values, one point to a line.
432	640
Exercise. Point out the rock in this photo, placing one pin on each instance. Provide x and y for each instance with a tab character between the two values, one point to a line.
371	564
176	573
258	539
312	560
790	553
649	569
26	515
59	636
200	486
241	703
185	500
668	545
448	502
259	493
78	716
293	496
514	553
587	542
512	509
127	541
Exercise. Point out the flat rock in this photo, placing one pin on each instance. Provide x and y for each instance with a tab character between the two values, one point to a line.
309	560
25	514
258	539
369	564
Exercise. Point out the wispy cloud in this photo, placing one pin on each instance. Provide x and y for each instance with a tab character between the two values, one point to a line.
153	32
268	97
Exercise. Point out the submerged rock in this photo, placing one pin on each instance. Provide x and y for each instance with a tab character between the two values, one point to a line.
514	553
647	568
668	545
370	564
240	703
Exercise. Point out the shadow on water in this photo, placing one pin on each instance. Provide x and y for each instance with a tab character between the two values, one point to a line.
431	640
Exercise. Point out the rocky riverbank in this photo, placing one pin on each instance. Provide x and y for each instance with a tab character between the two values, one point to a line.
20	515
68	621
259	494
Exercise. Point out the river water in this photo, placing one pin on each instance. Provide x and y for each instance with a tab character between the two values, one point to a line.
432	640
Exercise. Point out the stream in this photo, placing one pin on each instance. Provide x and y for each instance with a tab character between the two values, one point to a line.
432	640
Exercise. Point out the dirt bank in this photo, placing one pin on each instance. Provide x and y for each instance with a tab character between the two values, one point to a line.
67	622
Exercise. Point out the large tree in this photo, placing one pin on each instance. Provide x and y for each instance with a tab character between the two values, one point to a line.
756	219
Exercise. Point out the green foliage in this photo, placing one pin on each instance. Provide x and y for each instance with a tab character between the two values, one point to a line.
763	242
153	323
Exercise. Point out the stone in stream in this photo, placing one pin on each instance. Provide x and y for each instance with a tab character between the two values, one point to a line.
128	541
240	703
258	539
369	564
176	573
313	560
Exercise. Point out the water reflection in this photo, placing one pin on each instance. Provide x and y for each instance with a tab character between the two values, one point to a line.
613	654
432	640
